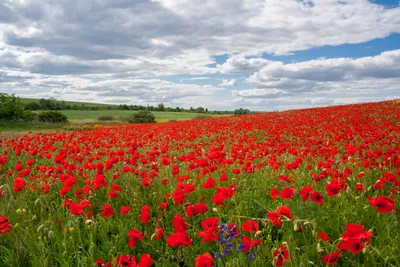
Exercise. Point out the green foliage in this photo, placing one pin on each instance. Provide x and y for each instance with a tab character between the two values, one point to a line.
32	106
200	110
241	111
52	117
142	116
11	108
28	115
105	118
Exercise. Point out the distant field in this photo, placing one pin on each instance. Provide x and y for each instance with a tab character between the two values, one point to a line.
77	115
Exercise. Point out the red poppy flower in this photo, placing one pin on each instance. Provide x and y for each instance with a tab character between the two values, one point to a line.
331	258
281	212
382	203
209	235
163	206
107	211
359	187
210	223
210	183
281	256
355	238
248	244
5	225
273	193
305	192
223	178
324	236
145	261
145	215
287	193
179	223
204	260
19	184
250	226
124	210
134	236
179	196
179	239
317	198
125	260
159	232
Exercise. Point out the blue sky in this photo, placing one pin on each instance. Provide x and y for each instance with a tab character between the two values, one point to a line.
219	54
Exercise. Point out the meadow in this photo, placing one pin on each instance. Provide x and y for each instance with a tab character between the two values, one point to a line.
310	187
79	115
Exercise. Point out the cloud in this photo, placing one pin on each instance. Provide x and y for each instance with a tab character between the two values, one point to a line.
385	65
116	45
240	64
226	82
324	81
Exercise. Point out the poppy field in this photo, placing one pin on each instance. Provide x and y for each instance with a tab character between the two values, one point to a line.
310	187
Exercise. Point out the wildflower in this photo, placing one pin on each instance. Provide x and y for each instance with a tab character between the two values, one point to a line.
305	192
145	215
134	236
179	239
250	226
5	225
281	255
382	203
331	258
107	211
204	260
355	238
124	210
179	223
317	198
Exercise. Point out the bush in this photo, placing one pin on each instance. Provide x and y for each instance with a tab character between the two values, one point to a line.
28	115
11	108
32	106
105	118
52	117
142	116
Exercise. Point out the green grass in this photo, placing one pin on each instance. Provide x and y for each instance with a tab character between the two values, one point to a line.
77	115
27	126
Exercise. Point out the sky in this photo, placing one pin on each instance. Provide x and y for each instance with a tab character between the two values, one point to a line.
263	55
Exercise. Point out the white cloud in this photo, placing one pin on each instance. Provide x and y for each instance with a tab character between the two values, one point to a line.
240	64
323	74
226	82
97	43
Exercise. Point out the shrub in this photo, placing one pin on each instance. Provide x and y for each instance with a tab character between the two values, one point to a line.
32	106
28	115
11	108
105	118
52	117
142	116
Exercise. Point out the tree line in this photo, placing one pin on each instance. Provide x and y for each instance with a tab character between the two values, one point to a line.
54	104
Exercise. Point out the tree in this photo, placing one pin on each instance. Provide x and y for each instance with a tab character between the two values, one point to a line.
200	110
161	107
10	107
32	106
241	111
